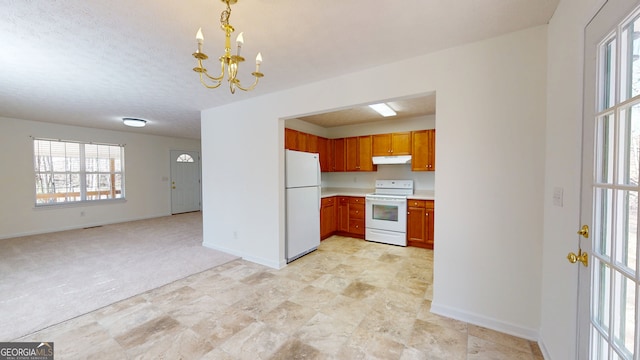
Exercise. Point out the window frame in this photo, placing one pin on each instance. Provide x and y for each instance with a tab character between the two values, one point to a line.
86	195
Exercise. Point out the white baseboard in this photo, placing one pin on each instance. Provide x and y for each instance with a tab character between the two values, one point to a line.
258	260
480	320
79	226
543	348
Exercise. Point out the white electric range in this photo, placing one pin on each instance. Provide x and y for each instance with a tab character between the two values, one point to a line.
386	212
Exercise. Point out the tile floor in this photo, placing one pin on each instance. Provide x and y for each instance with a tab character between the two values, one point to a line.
350	299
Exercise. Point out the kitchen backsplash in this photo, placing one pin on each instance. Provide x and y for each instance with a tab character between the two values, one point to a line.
422	180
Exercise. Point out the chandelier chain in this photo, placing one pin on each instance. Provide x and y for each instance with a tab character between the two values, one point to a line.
224	16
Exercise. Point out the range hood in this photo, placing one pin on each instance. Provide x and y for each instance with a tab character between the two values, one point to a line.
392	160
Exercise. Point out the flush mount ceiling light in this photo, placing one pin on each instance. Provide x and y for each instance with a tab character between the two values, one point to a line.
228	62
133	122
383	109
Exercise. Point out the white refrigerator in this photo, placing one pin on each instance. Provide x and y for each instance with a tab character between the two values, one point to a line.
302	184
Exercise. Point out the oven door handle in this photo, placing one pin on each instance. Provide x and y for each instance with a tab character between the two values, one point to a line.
390	201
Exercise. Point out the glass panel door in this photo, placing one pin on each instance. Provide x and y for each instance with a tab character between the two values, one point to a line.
608	323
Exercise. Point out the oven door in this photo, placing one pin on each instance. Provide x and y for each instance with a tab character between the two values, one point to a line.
386	213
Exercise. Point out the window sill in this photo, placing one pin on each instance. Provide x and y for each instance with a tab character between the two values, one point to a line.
78	204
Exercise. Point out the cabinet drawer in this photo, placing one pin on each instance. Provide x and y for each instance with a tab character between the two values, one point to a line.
343	200
328	201
356	226
416	203
356	200
356	211
429	204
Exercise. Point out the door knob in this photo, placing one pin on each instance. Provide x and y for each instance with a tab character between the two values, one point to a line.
173	187
583	257
584	231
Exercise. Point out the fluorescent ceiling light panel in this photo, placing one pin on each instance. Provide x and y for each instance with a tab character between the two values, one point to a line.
133	122
383	109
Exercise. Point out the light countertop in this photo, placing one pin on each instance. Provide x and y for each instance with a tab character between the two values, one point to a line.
328	192
423	195
418	194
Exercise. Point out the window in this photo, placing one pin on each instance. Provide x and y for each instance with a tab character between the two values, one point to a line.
69	172
185	158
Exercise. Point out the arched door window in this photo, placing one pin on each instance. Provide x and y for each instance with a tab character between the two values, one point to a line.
184	158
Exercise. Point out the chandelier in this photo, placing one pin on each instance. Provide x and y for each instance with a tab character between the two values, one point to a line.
228	63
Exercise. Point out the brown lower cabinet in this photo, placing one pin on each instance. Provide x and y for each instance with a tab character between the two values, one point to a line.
345	215
356	216
420	223
327	217
347	218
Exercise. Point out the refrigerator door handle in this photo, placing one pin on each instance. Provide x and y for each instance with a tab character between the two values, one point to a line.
319	170
319	183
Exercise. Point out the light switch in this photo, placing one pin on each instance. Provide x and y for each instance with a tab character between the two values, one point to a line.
558	196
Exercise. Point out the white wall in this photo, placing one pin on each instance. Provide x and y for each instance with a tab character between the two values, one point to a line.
146	164
422	180
562	169
490	139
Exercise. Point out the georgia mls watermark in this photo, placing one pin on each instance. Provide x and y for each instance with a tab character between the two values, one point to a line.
26	351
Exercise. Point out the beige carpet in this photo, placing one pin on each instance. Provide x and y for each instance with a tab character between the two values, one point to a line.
46	279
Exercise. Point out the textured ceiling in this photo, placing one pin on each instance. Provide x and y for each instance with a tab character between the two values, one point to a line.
90	63
405	108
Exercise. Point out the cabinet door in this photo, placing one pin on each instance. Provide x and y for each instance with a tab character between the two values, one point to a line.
302	141
351	145
381	145
327	217
431	150
343	214
339	155
290	139
365	163
416	225
430	213
323	150
419	150
401	143
312	143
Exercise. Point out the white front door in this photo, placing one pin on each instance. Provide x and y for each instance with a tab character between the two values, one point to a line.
185	181
608	286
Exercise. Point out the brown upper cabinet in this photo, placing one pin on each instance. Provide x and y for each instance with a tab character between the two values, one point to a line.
339	155
326	154
300	141
355	153
423	149
392	144
312	143
291	139
359	153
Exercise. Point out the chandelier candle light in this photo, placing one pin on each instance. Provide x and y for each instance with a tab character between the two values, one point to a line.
228	62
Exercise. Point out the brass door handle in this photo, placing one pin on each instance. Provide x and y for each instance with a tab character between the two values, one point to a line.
173	187
583	257
584	231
